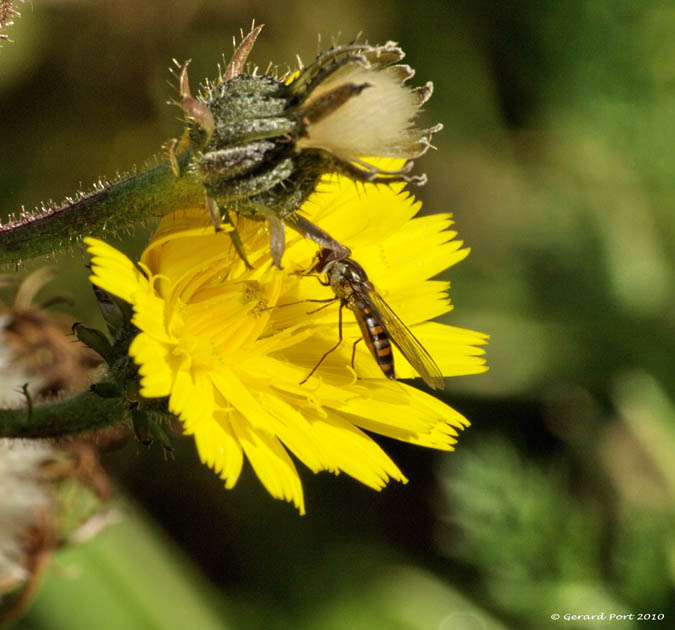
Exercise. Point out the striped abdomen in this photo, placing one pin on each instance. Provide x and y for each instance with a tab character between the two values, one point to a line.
374	334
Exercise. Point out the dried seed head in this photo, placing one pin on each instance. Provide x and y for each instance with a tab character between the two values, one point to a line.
25	505
260	145
35	349
252	134
36	515
378	121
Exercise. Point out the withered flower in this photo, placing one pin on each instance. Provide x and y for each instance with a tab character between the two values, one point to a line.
38	359
36	350
260	144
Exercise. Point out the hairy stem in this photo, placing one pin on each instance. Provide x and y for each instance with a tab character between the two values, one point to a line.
83	412
151	193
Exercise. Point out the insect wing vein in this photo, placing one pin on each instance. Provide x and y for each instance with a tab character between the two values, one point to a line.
406	342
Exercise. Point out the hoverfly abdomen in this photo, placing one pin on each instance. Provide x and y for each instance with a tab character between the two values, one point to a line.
380	326
375	335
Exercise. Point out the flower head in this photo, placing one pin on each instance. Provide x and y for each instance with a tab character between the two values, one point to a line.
260	144
230	346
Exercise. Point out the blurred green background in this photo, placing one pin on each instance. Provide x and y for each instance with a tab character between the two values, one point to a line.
557	161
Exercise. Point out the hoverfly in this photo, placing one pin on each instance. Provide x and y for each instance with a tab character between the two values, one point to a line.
379	325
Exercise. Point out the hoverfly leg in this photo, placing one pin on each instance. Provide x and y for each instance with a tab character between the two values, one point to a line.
239	247
354	351
217	215
236	240
316	234
312	273
325	303
328	302
214	213
335	347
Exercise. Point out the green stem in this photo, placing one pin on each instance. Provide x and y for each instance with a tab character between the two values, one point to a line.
83	412
151	193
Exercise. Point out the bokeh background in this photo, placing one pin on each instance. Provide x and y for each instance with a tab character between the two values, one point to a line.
557	161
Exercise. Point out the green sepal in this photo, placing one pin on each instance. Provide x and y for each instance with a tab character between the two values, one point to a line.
106	390
95	339
148	429
141	421
116	312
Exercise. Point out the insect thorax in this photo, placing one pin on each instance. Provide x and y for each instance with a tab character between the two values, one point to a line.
340	280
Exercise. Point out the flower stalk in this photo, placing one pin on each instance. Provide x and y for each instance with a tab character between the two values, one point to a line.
83	412
111	206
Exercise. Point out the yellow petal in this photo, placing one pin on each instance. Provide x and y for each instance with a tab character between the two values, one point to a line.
152	357
270	461
113	271
219	449
354	452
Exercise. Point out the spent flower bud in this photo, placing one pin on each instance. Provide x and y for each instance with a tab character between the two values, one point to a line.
260	144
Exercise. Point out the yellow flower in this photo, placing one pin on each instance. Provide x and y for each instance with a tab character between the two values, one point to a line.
216	338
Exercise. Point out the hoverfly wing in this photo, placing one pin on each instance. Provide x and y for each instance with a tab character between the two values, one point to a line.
407	343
